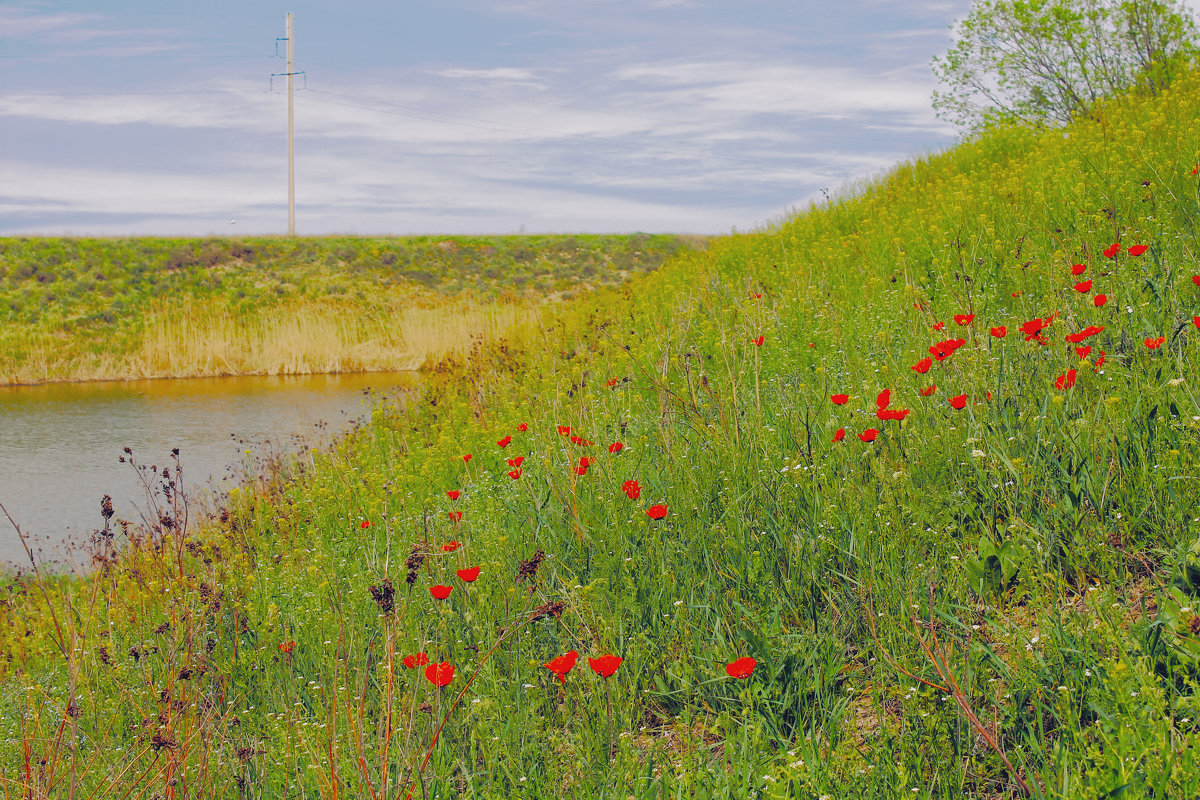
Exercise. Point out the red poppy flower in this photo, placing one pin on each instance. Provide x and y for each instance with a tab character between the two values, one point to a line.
1138	249
451	546
839	399
758	342
455	516
839	434
575	439
562	665
1033	328
616	447
1112	250
581	470
563	430
1196	321
1100	360
440	591
453	494
605	666
1016	294
928	390
869	435
415	660
1083	352
1099	300
1090	330
656	511
1065	381
632	489
1083	287
505	441
1154	344
515	474
938	326
922	366
943	350
1078	269
522	427
742	668
1000	331
883	399
1196	169
1196	279
756	295
516	461
287	647
440	674
585	442
586	461
964	319
896	414
364	524
611	382
958	402
466	458
468	575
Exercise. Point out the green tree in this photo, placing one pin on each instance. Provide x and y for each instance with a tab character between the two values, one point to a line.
1048	61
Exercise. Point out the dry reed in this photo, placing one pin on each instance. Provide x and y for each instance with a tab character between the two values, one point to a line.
197	338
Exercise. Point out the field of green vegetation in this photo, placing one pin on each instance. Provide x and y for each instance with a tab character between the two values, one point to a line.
898	498
135	308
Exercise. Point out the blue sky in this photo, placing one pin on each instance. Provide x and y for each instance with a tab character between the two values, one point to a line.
454	116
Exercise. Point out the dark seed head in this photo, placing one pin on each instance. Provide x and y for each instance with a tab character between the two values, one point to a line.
554	609
384	596
528	569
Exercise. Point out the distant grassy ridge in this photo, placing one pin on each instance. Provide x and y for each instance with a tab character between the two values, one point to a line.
967	574
134	308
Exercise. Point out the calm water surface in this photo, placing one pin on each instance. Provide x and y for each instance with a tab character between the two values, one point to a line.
60	443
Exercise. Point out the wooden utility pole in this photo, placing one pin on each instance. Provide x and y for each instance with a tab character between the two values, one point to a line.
291	136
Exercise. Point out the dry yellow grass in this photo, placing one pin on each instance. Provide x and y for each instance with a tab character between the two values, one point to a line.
190	338
207	339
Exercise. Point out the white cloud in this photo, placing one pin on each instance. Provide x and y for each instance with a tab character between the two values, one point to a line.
766	88
505	74
221	109
30	23
23	22
33	187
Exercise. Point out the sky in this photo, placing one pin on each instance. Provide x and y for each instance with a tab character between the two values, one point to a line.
131	117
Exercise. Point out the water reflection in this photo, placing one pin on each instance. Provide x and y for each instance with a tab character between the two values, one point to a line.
60	443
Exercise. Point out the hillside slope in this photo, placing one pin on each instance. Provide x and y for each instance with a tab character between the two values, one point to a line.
897	451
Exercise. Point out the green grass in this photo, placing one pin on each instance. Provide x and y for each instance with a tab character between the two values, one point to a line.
987	602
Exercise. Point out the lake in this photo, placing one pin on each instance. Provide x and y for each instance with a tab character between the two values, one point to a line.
60	443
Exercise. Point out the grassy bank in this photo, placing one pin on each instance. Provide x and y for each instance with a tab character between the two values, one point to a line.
92	309
897	450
